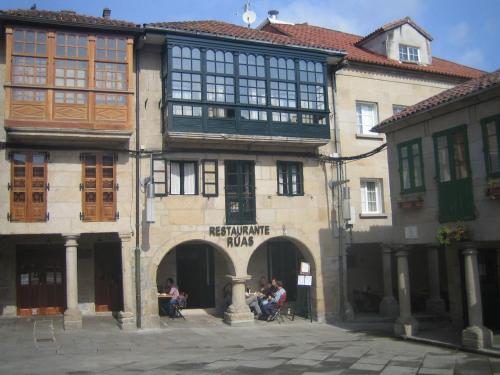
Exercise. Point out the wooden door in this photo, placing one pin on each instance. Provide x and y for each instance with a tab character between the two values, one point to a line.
41	282
108	277
195	274
453	175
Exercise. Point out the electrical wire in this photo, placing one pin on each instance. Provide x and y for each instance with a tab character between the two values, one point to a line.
346	159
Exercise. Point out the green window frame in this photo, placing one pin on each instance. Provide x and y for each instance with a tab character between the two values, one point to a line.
159	175
290	178
411	166
491	145
210	176
240	192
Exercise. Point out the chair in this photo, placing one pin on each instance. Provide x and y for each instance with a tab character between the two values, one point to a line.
277	314
180	305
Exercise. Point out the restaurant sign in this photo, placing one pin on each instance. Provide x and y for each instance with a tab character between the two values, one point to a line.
239	235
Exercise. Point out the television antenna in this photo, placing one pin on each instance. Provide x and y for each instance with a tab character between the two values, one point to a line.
249	15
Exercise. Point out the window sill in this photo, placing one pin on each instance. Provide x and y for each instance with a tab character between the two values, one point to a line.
369	136
372	216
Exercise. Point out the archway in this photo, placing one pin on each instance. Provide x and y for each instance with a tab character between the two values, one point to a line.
280	258
200	269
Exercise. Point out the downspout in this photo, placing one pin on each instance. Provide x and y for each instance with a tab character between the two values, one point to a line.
137	252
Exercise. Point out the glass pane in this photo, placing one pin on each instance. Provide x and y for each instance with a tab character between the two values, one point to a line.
443	159
493	147
406	174
459	155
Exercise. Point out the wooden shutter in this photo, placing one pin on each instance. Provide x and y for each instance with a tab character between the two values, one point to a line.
19	189
89	191
108	193
99	187
28	180
37	202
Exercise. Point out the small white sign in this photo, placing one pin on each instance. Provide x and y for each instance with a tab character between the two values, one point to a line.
304	280
305	268
411	232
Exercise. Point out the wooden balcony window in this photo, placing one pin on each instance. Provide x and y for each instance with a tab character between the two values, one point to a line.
64	79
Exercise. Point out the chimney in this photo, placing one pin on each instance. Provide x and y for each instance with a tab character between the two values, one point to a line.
106	13
273	14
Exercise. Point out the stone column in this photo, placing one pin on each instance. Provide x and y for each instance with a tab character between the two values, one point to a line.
388	306
475	336
405	325
126	317
238	313
72	315
434	303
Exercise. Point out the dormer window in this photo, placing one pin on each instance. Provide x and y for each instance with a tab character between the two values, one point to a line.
408	53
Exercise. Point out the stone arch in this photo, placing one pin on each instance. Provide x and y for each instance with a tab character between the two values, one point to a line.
256	258
172	244
304	249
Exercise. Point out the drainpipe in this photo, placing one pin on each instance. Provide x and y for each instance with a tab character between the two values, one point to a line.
137	251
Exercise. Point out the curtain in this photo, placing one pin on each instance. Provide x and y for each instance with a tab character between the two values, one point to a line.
175	178
189	178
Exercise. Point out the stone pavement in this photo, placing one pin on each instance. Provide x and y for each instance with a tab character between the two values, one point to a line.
198	346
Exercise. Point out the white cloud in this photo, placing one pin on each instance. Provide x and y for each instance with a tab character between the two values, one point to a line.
471	57
458	34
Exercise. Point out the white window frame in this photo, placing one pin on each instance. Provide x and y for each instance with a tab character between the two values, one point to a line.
363	128
379	196
407	51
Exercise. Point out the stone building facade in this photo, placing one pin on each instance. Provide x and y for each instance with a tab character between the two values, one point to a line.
444	165
240	132
67	176
378	78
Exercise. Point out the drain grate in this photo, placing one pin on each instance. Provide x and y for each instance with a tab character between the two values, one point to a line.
43	332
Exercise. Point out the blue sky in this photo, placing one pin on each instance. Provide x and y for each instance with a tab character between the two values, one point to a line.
465	32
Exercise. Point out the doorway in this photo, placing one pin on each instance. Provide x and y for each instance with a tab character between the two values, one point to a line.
240	191
108	277
487	260
41	281
195	274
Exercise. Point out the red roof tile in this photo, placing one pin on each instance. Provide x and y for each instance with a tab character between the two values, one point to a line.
470	87
220	28
327	38
393	25
64	17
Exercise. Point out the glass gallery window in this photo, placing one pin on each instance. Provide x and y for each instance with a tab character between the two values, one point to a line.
282	74
312	95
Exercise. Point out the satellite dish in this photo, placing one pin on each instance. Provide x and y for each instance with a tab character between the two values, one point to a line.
248	16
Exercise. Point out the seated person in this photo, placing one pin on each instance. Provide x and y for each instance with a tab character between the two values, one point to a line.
173	293
268	293
273	303
252	300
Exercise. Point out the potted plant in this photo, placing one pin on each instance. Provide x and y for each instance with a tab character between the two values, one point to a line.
446	235
493	190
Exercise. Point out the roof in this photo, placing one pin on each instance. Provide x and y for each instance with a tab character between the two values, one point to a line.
66	18
392	25
466	89
328	38
224	29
